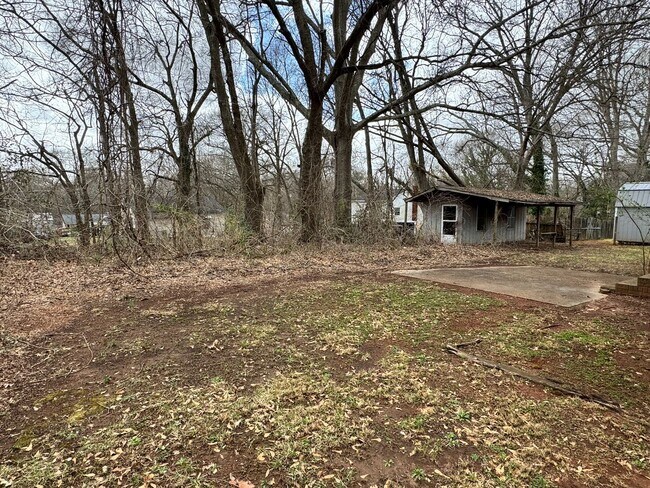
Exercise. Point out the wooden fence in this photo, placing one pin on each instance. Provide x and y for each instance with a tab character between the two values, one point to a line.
583	229
589	228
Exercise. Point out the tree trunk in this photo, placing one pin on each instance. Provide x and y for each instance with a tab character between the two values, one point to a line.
614	137
112	197
343	170
343	133
197	194
523	162
87	207
643	163
369	169
103	108
3	192
131	124
229	108
417	165
538	170
419	130
139	188
82	224
555	159
311	170
184	180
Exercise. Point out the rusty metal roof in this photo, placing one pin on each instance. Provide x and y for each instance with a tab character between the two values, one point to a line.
506	196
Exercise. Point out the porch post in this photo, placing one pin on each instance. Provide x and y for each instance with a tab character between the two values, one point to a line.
539	212
571	226
554	223
495	222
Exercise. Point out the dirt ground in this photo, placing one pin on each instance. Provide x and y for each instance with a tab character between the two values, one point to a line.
317	368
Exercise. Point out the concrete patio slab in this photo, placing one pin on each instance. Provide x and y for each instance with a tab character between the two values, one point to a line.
557	286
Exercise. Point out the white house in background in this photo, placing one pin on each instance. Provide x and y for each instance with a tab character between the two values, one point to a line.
632	213
69	221
403	212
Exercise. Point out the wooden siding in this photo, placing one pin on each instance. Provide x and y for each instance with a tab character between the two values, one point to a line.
432	218
468	211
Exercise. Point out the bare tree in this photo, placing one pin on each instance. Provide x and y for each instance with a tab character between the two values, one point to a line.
112	14
27	147
555	54
88	39
346	88
304	39
223	73
166	30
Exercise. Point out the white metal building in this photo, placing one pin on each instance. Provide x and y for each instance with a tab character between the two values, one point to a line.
632	213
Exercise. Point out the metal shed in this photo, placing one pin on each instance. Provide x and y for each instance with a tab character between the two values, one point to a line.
632	213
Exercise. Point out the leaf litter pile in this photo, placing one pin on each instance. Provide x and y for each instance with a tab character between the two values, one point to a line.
315	369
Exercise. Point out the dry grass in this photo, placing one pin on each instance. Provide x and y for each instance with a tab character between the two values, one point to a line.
306	370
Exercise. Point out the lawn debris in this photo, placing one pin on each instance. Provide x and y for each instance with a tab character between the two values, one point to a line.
315	368
551	326
239	483
533	378
467	344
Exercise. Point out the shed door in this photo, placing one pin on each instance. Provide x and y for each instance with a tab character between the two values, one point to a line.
449	224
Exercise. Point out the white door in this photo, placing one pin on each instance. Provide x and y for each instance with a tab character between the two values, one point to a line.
449	224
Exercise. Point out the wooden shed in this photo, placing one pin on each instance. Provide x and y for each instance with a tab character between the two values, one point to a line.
465	215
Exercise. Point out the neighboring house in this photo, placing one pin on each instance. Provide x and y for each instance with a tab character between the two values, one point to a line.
632	213
462	215
68	221
403	212
212	223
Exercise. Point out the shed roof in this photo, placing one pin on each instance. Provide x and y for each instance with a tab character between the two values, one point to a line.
634	195
506	196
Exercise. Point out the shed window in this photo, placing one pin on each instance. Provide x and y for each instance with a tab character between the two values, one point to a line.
481	217
449	212
511	213
398	210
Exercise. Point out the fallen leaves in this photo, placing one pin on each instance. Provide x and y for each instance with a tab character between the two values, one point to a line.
239	483
308	379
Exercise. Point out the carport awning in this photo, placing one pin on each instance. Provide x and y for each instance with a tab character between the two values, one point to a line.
504	196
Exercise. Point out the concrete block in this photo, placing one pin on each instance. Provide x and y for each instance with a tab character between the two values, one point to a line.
540	283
